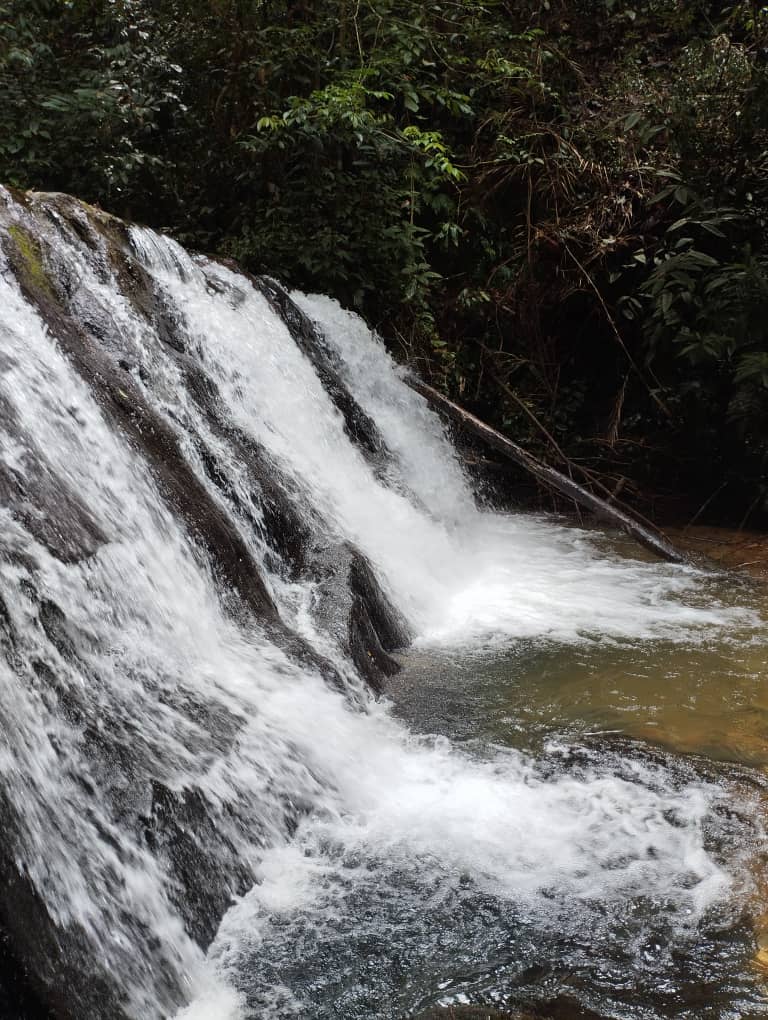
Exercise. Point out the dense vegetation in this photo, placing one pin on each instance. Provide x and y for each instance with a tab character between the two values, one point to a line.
557	207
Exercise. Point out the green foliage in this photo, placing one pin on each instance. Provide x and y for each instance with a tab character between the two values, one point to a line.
566	201
715	313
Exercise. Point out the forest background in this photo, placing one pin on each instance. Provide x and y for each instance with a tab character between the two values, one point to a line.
554	210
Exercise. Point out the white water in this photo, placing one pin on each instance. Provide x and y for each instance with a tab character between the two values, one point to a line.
510	576
152	639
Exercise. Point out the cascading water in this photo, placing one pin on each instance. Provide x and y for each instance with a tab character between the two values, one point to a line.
205	811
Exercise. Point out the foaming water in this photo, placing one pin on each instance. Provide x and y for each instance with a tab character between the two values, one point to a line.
424	839
511	576
459	574
216	1001
425	463
131	684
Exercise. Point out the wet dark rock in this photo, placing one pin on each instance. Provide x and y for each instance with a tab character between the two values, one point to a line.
359	426
17	998
184	828
99	361
366	624
186	832
123	401
284	524
43	502
471	1013
353	606
56	959
561	1009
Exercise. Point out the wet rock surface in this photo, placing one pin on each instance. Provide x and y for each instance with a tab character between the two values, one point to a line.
43	502
360	428
352	604
17	999
180	827
562	1009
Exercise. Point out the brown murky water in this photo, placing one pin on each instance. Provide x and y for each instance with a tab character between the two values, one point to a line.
744	551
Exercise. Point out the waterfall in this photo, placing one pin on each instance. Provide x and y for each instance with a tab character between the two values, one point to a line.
222	511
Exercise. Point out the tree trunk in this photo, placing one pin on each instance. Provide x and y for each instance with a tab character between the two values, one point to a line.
648	537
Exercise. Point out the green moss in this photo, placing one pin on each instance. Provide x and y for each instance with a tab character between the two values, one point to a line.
31	260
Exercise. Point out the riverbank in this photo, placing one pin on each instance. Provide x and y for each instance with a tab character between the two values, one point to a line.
745	551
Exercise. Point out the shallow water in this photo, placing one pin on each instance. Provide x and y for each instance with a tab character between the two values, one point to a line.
708	698
573	825
690	709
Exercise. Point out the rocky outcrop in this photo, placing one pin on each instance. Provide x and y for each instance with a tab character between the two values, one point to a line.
360	427
352	605
189	835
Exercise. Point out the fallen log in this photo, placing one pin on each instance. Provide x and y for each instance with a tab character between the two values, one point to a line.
648	537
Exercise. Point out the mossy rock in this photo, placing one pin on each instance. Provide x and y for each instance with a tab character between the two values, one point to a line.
30	259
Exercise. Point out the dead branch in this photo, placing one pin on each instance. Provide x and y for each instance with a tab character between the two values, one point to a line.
646	535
